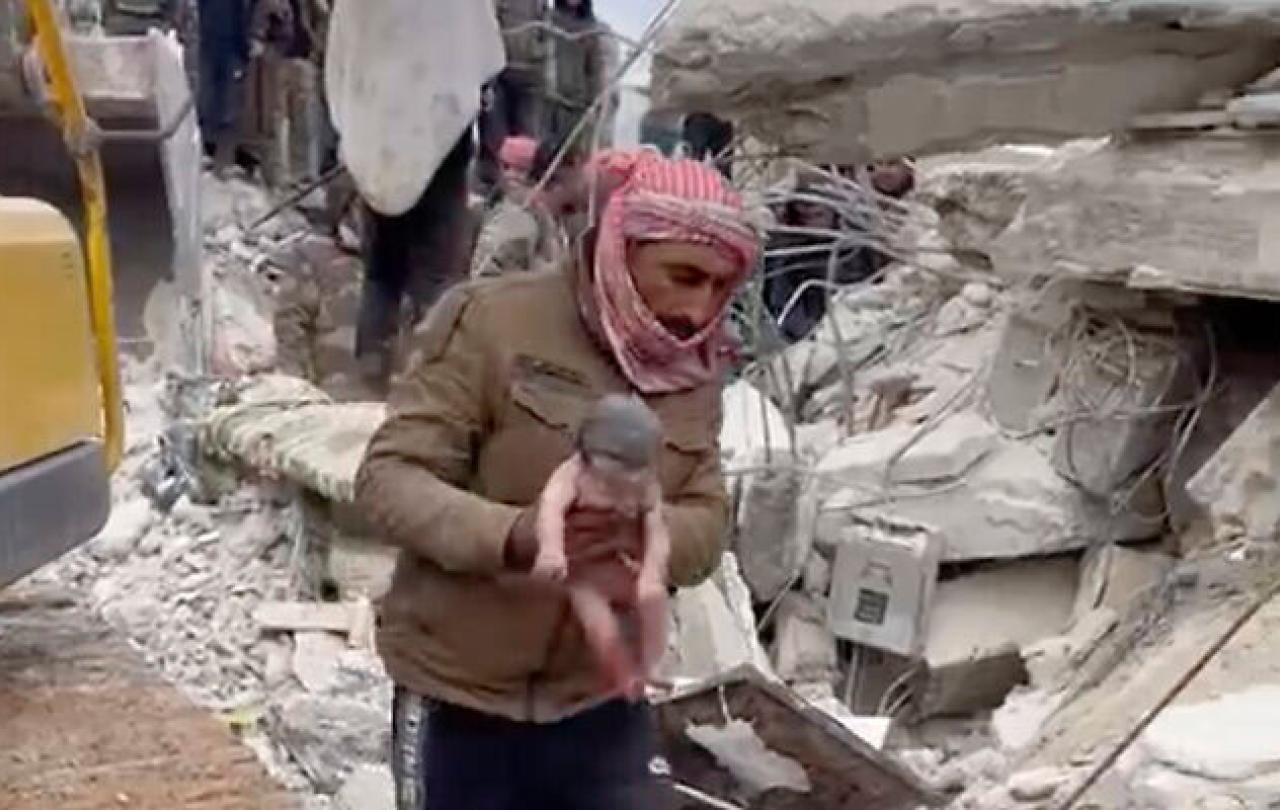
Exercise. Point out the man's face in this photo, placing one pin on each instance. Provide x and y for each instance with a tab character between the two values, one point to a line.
814	215
685	285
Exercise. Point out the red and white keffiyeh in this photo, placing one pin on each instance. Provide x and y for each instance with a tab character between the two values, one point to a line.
653	199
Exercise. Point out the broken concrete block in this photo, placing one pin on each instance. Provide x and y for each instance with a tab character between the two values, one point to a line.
1119	408
754	429
1028	359
909	455
316	658
1011	504
290	617
959	315
1187	214
768	539
979	624
1237	487
128	523
804	649
874	731
1036	785
1114	576
330	736
1255	110
1231	738
836	762
361	567
713	629
883	584
842	82
1050	661
371	787
1018	721
817	575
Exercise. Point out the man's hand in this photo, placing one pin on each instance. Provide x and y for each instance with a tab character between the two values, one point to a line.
256	49
591	535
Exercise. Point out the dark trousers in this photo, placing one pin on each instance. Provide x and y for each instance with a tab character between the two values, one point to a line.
515	111
450	758
415	256
218	93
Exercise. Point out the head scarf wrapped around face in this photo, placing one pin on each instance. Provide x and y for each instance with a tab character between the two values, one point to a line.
649	198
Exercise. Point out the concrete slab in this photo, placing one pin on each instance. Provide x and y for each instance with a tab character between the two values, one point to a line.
1194	214
844	81
1237	487
1011	504
980	623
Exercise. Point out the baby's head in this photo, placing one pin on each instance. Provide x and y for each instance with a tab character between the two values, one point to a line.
620	434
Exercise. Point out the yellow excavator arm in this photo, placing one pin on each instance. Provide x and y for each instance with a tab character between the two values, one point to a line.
81	139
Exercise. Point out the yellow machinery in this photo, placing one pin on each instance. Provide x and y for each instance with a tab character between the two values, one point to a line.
60	403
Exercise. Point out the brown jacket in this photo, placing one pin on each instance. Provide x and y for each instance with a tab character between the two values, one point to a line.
502	374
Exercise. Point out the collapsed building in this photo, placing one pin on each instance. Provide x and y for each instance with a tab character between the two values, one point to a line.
989	512
1030	460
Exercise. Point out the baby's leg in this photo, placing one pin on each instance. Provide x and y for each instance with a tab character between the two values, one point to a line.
604	637
651	589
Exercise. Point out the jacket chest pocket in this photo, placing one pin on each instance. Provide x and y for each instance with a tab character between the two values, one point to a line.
539	427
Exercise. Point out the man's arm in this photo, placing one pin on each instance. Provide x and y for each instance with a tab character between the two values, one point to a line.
410	485
697	518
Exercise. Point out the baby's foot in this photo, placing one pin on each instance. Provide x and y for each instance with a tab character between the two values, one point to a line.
550	567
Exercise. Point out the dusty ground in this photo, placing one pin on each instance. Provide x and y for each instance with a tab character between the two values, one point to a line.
84	727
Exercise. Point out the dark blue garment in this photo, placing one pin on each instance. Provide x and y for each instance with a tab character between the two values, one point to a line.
224	53
795	285
449	758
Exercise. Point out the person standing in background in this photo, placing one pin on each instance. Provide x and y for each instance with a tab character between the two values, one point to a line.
404	100
513	100
575	66
224	55
283	36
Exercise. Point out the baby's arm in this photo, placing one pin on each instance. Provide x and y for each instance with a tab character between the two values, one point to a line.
557	497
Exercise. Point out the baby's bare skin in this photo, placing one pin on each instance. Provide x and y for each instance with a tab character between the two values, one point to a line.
603	478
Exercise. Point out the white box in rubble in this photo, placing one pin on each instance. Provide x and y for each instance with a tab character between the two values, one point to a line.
882	584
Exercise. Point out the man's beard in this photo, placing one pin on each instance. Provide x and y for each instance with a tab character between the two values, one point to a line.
679	327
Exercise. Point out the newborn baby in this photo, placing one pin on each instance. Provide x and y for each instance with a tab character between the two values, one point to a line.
614	468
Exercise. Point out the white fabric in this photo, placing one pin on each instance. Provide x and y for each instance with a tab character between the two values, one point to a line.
403	79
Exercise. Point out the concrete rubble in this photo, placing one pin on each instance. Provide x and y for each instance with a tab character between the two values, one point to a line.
985	515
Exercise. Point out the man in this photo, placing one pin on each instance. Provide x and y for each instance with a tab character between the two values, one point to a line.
798	283
514	98
498	704
282	35
511	236
404	99
224	53
709	138
531	232
315	316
